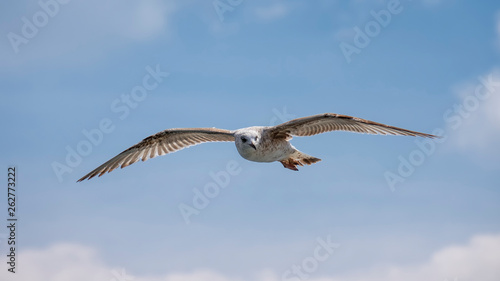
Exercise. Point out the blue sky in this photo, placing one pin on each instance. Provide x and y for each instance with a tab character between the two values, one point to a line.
397	208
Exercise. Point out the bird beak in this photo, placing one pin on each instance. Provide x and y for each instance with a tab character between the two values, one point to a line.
253	145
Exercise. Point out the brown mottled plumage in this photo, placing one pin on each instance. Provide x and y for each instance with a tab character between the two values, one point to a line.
259	144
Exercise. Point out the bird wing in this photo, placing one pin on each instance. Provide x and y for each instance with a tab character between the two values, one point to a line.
161	143
321	123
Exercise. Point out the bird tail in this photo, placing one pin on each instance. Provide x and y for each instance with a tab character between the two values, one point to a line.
298	159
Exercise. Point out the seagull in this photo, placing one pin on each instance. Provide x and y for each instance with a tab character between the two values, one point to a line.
258	143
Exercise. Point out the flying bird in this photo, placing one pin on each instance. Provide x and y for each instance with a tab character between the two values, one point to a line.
258	144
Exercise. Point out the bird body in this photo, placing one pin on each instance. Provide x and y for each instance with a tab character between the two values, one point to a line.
258	143
255	144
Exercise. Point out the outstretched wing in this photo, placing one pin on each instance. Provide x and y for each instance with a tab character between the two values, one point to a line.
321	123
161	143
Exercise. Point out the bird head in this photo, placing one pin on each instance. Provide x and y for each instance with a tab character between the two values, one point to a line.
247	140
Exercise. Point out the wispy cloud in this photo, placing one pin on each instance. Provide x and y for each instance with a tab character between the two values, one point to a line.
497	28
432	3
272	12
476	122
107	25
148	19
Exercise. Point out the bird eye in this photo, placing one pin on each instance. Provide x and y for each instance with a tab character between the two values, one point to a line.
243	139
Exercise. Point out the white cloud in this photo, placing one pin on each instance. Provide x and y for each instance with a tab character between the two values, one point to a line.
476	260
58	263
63	262
475	121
